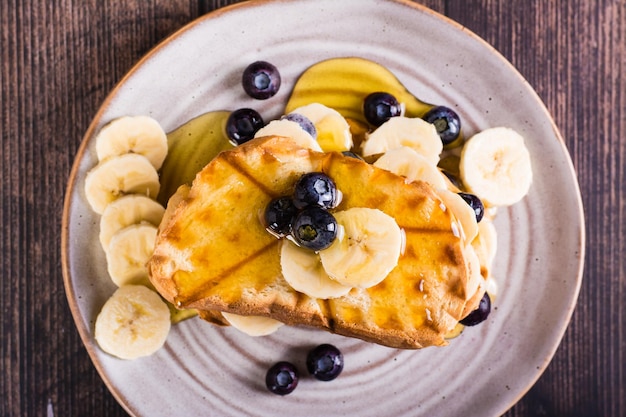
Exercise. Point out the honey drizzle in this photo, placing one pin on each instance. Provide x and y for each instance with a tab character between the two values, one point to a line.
201	293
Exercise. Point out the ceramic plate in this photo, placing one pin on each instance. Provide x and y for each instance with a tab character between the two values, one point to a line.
204	370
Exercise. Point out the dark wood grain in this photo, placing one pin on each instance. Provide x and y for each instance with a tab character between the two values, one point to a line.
60	59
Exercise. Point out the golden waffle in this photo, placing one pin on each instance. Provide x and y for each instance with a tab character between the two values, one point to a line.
214	254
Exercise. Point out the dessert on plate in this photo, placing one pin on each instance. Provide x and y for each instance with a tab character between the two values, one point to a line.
214	253
366	214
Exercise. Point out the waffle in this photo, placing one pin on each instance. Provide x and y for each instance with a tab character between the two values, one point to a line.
214	254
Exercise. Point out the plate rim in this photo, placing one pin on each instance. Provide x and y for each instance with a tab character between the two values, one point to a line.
71	296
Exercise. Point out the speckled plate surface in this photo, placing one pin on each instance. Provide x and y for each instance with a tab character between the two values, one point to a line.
204	370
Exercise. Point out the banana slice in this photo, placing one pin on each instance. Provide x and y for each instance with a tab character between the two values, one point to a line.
126	211
129	252
491	286
120	175
133	323
303	270
495	165
289	129
133	134
252	325
463	213
408	163
333	130
405	131
476	280
485	245
366	251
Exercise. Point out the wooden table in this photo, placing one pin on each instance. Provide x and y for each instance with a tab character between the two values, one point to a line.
60	59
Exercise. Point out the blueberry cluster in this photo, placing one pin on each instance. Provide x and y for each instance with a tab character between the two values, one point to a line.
260	80
304	215
325	363
380	106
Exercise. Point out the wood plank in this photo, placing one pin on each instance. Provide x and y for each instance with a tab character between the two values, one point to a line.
573	54
59	61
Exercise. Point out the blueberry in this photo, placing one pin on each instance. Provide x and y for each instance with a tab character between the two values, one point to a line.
314	228
475	203
325	362
242	124
446	121
454	179
279	214
315	189
282	378
305	123
480	314
261	80
380	107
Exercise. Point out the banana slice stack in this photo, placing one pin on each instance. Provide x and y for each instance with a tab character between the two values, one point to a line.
134	321
493	164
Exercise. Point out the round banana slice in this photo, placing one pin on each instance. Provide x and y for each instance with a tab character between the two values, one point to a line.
120	175
133	134
126	211
462	212
495	165
408	163
405	131
366	251
252	325
303	270
134	322
128	253
333	130
289	129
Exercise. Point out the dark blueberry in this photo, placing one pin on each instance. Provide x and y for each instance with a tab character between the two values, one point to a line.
380	107
480	314
475	203
446	121
454	179
281	378
242	124
352	155
261	80
279	214
305	123
315	189
325	362
314	228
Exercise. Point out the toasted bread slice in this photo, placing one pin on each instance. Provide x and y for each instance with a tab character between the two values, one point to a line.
214	254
